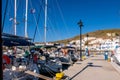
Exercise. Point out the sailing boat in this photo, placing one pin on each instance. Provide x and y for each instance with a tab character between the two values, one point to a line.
116	56
16	69
53	64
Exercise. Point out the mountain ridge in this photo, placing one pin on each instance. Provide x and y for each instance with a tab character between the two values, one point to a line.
97	34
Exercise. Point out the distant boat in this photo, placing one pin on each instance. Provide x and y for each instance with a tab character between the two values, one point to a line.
15	65
66	55
69	55
116	56
53	65
48	63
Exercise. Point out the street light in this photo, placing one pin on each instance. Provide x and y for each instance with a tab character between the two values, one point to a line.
87	44
118	35
87	38
80	23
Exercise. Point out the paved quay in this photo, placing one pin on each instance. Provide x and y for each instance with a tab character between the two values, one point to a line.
93	68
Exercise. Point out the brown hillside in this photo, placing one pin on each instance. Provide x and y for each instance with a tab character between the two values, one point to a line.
98	33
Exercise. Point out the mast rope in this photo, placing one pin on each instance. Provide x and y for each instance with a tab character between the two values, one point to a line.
37	21
54	20
51	28
4	15
67	32
10	18
49	71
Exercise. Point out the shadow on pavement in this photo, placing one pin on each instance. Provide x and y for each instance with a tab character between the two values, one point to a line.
89	65
78	63
65	67
98	59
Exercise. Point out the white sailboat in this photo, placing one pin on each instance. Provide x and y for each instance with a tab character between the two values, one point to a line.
53	64
16	70
116	56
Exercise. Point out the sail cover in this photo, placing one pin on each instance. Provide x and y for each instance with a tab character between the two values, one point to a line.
12	40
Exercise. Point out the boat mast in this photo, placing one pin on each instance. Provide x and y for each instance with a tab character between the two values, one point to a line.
15	10
26	35
45	21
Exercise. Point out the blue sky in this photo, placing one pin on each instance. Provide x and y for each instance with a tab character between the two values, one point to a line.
63	16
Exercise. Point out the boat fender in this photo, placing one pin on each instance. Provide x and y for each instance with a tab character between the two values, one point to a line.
6	59
59	76
14	68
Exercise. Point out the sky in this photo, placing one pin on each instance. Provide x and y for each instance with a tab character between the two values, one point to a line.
62	17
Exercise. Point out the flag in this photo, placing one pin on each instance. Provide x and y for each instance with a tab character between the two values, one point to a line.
10	19
32	11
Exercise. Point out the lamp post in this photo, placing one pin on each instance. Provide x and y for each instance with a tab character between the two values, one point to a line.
80	23
87	44
87	38
119	39
118	35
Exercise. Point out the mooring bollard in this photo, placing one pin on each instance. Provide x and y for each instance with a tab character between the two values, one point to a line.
109	59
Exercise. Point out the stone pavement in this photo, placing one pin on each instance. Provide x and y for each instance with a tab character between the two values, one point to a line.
93	68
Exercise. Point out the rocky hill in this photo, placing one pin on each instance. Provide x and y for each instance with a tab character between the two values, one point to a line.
97	34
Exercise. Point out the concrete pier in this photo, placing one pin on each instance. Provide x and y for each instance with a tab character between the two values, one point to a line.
93	68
